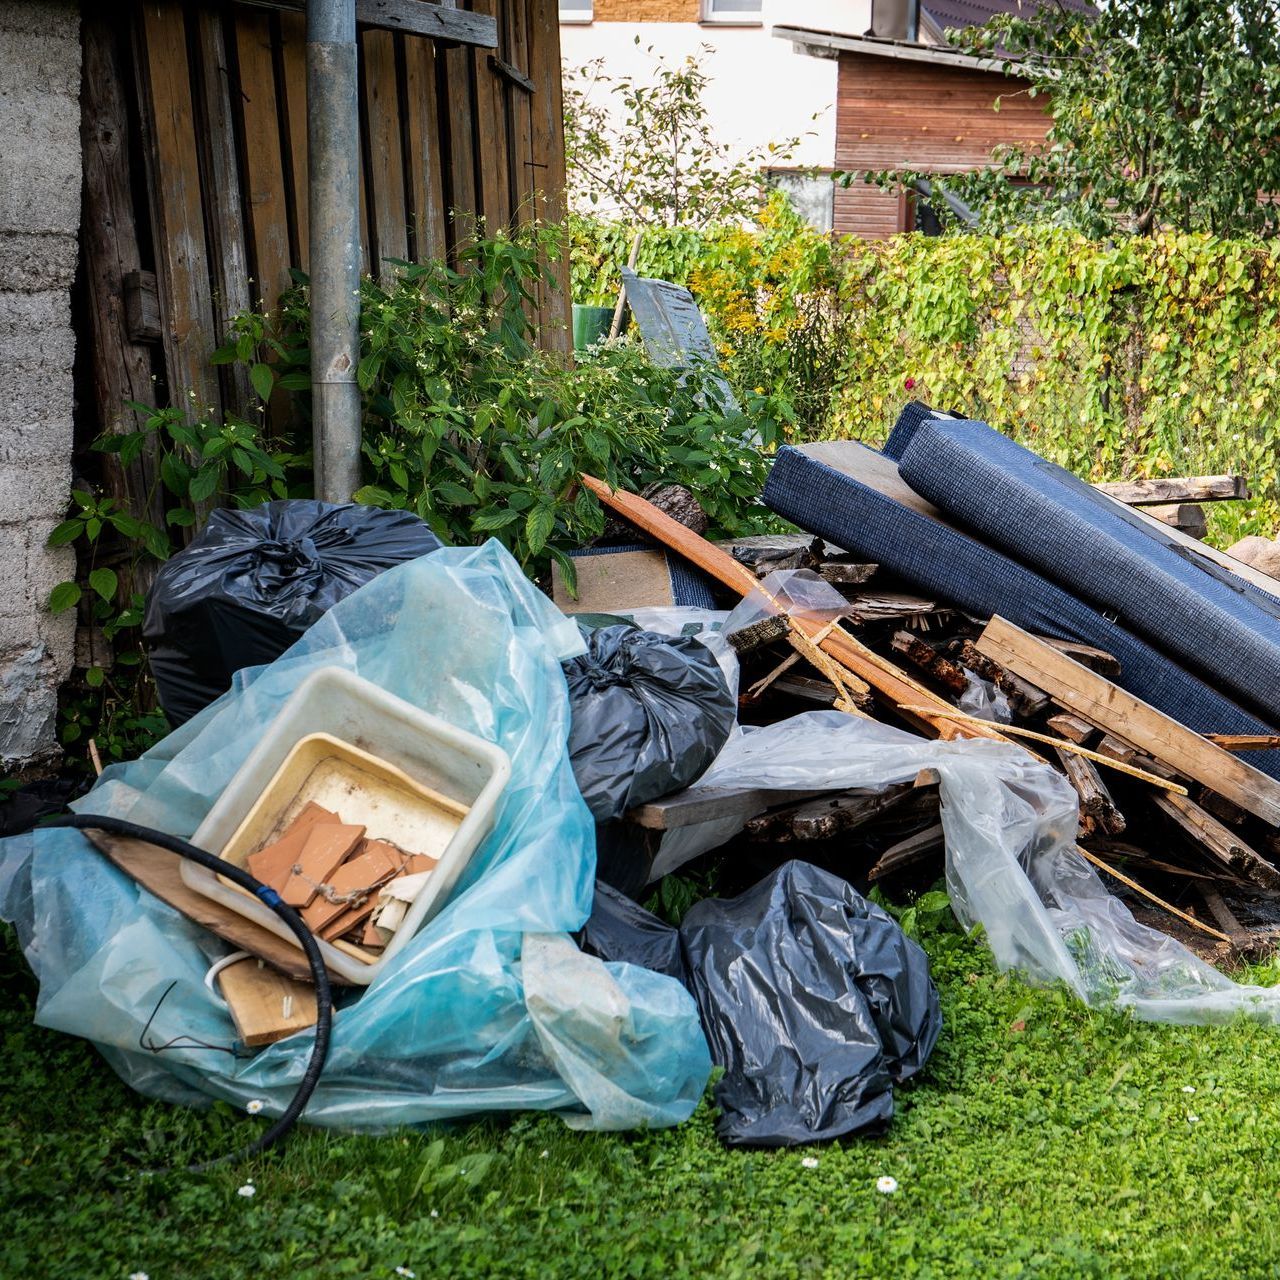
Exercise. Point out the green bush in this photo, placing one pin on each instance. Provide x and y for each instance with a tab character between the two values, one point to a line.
1146	357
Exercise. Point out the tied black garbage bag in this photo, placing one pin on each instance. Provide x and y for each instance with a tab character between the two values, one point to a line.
813	1001
649	714
253	581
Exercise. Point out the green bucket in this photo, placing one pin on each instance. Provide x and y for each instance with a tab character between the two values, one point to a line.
590	324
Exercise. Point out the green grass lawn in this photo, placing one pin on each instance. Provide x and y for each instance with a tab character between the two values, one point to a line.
1042	1140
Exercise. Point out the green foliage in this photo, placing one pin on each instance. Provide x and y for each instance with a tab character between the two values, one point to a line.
646	150
1162	116
1026	1149
1149	356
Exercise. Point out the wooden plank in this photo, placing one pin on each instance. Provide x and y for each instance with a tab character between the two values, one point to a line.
825	817
1072	728
1098	810
909	851
173	181
1187	516
1099	660
927	659
549	165
1245	741
426	184
891	685
695	805
264	159
1221	843
142	320
120	366
158	871
1150	493
1111	708
380	87
228	260
436	21
520	105
459	127
491	134
293	57
266	1006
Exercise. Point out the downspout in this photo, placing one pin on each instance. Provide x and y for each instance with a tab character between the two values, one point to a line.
913	21
333	182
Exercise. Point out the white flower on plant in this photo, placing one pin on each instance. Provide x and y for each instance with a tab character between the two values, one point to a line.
404	1271
1192	1119
138	1275
544	1155
810	1162
435	1213
886	1185
254	1106
1188	1088
248	1191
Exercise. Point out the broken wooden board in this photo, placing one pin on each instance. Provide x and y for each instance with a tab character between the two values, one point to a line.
846	573
866	607
1118	712
693	805
1218	841
158	871
825	817
1072	728
1245	741
265	1005
1025	699
1099	660
1150	493
907	852
1187	516
1098	810
924	657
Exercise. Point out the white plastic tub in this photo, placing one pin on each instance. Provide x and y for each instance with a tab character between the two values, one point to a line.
407	776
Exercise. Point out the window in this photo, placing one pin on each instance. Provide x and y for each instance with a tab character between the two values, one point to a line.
575	10
742	12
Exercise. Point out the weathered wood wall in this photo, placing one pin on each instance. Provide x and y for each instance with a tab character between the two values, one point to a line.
894	114
196	173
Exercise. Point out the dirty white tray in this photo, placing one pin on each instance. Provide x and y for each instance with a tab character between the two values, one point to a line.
376	761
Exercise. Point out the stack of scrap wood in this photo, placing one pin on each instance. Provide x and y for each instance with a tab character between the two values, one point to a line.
1186	827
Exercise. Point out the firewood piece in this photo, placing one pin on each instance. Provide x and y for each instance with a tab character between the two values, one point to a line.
1073	728
1098	810
1109	745
913	849
1187	516
767	553
821	819
1099	660
948	674
1225	917
1025	700
1147	493
1245	741
843	574
755	635
1218	841
1115	710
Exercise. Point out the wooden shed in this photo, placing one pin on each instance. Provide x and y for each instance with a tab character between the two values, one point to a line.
906	105
195	168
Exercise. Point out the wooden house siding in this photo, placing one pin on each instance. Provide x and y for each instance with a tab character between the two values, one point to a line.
894	114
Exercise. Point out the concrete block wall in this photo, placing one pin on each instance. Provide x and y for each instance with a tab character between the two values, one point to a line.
39	224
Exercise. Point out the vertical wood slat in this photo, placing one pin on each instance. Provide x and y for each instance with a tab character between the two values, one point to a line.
264	162
228	260
380	90
173	180
426	184
523	175
491	135
293	50
548	159
121	368
459	121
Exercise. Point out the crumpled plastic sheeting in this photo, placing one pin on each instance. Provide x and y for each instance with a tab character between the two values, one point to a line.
490	1007
1012	866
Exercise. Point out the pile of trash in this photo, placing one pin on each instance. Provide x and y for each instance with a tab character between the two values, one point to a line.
436	800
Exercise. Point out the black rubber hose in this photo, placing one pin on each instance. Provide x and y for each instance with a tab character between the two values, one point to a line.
319	973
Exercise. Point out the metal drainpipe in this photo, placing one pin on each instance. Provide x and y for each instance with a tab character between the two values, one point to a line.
913	21
333	181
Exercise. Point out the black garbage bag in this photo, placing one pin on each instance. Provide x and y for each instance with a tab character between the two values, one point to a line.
253	581
649	714
813	1000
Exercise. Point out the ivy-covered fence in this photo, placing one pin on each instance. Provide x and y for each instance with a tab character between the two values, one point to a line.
1140	357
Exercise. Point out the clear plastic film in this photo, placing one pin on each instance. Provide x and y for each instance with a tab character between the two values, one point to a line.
490	1007
1009	823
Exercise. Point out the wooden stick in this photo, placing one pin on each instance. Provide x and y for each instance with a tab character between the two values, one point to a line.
616	324
1076	749
95	757
1245	741
1146	893
891	684
757	689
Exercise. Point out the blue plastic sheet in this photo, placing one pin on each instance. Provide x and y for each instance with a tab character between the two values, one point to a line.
490	1007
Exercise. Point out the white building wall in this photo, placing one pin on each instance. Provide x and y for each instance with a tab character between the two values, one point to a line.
761	90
